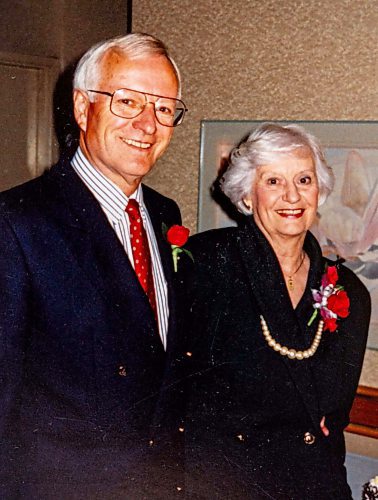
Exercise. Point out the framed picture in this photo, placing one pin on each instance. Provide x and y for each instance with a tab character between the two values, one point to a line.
347	224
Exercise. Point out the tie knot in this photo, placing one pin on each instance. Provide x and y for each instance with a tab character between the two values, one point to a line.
132	209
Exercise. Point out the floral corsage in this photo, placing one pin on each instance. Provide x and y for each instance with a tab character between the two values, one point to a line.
370	490
177	236
331	300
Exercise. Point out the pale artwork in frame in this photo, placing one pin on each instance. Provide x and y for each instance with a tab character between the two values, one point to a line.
347	224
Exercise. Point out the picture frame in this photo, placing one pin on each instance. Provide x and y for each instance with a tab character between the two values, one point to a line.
347	224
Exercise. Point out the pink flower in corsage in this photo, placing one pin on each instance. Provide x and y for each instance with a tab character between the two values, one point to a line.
177	236
331	300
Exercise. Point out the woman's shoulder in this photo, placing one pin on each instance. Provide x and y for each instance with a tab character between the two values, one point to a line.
214	260
349	278
355	288
212	241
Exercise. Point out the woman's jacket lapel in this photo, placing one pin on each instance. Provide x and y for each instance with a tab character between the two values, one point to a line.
270	293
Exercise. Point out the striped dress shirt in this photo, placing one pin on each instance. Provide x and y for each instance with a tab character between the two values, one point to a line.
113	202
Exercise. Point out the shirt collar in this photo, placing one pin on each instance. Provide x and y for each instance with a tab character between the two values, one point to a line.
111	198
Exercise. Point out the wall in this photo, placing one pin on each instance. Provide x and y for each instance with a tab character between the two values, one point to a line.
247	59
38	38
89	21
58	28
26	27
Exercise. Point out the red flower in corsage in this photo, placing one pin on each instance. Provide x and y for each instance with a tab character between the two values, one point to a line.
331	300
177	236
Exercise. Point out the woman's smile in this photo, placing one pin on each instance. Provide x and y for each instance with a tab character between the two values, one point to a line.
291	213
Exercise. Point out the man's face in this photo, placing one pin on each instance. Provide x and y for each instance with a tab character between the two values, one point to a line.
125	149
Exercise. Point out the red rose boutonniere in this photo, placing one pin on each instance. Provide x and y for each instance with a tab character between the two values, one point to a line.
177	236
331	300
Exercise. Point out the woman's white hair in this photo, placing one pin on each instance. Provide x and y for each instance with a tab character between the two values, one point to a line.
264	146
132	46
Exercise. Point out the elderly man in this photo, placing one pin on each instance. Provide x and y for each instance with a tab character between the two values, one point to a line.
87	311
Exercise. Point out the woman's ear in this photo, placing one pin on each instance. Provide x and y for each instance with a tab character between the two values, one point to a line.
321	198
247	202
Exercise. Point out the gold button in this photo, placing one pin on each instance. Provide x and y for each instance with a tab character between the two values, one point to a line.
122	371
309	438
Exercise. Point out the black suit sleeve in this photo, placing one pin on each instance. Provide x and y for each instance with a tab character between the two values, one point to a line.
14	306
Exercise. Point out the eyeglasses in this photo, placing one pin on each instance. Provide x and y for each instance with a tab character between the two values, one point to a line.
128	103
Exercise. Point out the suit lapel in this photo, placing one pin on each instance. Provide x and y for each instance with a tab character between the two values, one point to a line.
270	293
159	217
97	248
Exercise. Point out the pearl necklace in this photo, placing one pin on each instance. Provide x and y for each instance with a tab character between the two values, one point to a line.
286	351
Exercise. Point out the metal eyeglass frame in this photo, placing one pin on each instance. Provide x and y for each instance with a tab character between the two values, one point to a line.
180	119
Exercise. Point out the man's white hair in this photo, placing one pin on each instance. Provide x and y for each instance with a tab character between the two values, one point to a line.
132	46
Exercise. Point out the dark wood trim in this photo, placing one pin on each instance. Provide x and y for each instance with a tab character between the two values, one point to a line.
129	16
364	414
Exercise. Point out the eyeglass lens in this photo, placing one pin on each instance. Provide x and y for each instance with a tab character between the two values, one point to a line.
130	103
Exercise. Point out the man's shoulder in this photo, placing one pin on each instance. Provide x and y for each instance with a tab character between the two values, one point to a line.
35	195
161	206
154	196
23	196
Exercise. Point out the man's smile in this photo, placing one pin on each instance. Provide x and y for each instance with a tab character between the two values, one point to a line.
137	144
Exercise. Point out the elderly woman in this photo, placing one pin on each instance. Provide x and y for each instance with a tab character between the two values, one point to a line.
276	334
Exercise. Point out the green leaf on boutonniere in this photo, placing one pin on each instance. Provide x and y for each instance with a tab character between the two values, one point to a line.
164	229
176	250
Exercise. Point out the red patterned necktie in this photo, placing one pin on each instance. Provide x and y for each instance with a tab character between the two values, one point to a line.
141	252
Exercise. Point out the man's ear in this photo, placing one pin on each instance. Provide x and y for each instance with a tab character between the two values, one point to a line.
81	107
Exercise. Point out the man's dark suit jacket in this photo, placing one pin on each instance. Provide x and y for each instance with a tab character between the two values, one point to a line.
81	358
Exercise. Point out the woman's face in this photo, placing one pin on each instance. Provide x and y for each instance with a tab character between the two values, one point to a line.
285	195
